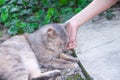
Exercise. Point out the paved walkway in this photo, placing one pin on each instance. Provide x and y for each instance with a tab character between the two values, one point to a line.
99	49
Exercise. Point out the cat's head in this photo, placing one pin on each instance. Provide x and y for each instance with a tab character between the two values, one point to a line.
55	35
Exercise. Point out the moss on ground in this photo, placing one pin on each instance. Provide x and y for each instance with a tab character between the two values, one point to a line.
76	77
87	76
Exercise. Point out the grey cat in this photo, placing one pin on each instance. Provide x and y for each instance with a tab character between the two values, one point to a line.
22	55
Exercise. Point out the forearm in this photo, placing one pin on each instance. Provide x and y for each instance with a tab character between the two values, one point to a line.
94	8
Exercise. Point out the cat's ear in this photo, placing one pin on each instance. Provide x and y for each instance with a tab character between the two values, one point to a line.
51	32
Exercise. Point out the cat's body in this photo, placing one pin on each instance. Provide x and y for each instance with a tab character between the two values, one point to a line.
21	55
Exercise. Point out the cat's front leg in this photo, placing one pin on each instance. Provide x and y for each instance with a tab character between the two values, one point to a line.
47	75
68	58
34	70
62	64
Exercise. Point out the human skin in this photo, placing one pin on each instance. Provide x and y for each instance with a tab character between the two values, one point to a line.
93	9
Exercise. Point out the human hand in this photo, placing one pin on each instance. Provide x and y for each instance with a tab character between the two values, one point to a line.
72	32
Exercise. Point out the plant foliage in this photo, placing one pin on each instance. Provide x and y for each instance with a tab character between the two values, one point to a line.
76	77
27	15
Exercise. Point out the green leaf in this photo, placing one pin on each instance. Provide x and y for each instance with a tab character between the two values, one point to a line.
40	13
78	10
15	15
19	1
67	15
2	2
23	24
25	3
12	30
50	11
15	9
4	16
72	3
16	23
25	12
47	20
28	29
4	13
12	1
63	2
65	10
7	24
33	25
3	9
32	19
50	14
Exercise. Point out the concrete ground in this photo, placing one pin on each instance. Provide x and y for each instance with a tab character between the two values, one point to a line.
99	48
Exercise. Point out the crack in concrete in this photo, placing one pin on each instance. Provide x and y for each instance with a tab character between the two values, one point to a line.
108	42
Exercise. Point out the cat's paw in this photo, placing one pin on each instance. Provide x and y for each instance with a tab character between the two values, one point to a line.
48	74
76	60
75	65
55	73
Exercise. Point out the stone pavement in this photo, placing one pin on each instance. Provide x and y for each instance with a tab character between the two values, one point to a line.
99	49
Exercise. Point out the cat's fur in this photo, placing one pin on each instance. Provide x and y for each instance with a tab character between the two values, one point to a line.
21	55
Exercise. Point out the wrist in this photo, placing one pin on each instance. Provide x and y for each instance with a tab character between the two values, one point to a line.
74	24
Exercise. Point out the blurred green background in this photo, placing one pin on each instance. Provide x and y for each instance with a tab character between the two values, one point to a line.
21	16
